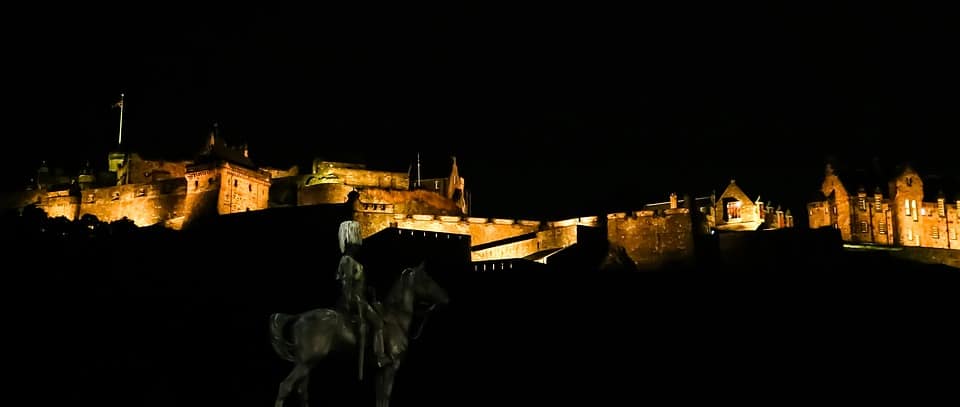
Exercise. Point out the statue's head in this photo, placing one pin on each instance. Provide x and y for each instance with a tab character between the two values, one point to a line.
350	235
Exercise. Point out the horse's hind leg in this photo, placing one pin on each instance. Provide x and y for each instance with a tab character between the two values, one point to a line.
299	372
304	389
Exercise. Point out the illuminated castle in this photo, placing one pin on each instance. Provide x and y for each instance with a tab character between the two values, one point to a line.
223	180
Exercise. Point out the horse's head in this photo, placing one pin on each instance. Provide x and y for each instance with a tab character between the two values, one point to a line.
425	289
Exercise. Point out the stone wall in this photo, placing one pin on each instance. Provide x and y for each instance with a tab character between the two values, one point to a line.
328	172
144	204
140	171
839	206
407	202
480	230
653	240
60	203
243	190
554	238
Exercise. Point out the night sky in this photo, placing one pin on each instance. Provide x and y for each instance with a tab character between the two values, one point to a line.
551	111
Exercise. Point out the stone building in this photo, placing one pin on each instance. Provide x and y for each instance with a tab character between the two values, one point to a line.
867	207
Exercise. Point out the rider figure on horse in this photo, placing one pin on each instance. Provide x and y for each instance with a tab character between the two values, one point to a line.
351	275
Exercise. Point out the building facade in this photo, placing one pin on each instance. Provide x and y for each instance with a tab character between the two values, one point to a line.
907	212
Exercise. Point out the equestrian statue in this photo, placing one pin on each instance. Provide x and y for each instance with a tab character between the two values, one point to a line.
316	333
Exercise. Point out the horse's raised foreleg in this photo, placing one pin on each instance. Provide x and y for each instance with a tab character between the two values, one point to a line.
385	383
299	372
304	389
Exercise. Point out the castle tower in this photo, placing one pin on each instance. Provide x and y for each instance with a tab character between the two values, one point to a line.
224	180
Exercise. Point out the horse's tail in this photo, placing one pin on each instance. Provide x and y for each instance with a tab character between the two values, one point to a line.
283	348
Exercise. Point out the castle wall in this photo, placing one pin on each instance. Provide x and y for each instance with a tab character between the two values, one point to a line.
60	203
140	171
652	240
144	204
327	172
480	230
407	202
554	238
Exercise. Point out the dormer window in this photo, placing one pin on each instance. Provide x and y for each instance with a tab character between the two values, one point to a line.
877	203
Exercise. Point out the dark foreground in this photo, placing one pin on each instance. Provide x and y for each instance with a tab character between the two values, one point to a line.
189	327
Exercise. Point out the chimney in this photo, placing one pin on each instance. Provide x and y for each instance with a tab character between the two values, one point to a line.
673	200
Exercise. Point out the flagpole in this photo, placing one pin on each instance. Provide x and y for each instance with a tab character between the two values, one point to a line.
120	137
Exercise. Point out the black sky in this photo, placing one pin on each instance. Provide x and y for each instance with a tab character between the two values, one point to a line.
549	110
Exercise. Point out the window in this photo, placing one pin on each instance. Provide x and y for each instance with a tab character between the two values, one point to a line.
909	181
250	187
942	207
882	228
876	203
906	206
862	202
863	227
733	210
935	232
196	184
913	208
235	183
909	234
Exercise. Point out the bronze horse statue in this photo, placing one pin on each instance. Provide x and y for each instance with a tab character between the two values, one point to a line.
319	332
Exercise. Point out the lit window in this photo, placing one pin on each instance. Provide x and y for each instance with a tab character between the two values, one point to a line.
863	227
906	206
862	202
882	228
942	207
910	234
935	232
876	203
913	207
923	211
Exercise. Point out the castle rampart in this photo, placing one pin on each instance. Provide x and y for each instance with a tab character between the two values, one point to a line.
651	239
